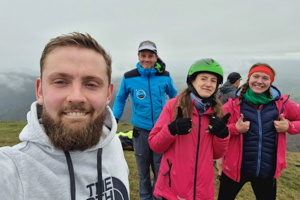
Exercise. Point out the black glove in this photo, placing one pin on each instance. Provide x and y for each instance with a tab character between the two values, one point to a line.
218	126
180	126
117	120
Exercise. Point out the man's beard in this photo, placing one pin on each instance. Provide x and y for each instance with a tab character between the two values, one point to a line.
68	137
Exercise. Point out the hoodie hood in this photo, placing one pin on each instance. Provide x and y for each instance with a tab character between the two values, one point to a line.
160	66
34	130
227	87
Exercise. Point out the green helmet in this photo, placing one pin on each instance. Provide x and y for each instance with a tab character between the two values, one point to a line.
205	65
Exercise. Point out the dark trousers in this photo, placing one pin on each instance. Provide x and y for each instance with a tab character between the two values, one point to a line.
264	189
145	158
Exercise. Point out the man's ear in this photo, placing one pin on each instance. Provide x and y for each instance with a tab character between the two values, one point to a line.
38	91
110	93
156	57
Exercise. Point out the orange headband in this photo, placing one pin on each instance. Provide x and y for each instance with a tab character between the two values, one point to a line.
264	69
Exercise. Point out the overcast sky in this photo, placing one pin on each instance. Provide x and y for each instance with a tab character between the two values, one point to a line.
236	33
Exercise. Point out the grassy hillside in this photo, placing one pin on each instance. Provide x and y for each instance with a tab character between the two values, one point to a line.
287	186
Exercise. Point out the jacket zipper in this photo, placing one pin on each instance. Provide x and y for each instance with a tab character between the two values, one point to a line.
160	95
259	142
150	99
196	164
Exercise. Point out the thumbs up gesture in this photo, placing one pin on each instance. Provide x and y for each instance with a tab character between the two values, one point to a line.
241	126
282	125
180	126
218	126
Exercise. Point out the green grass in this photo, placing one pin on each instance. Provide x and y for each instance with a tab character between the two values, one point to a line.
287	185
9	132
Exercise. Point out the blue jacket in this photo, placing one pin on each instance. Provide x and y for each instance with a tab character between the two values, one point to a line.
147	89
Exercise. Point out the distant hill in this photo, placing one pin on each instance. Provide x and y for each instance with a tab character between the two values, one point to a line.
17	92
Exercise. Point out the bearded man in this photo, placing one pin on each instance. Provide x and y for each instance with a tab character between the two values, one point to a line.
69	148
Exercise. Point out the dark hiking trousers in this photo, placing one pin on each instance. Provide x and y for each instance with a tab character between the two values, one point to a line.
264	189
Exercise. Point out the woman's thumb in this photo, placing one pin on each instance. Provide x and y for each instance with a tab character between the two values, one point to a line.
225	118
242	117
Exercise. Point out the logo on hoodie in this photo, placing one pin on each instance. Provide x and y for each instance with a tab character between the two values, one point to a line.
113	189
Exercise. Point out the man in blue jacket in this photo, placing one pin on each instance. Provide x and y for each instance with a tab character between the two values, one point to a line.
147	85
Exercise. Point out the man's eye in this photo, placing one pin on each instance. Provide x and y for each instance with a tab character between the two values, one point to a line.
91	85
59	82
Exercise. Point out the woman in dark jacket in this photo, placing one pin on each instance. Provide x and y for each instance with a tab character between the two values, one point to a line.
257	126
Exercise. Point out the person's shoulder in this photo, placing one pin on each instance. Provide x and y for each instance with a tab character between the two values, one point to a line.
231	101
114	147
13	152
284	97
8	155
9	175
132	73
172	101
7	150
164	73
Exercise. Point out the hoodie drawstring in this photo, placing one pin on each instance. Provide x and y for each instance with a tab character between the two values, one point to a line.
99	170
71	173
72	176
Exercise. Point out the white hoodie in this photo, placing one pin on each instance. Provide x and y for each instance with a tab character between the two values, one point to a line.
34	169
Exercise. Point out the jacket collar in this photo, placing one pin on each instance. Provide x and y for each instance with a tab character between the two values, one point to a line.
145	71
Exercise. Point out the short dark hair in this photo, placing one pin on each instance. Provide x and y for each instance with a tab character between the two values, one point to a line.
233	77
77	40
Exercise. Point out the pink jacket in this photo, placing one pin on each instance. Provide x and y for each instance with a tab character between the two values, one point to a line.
186	170
233	158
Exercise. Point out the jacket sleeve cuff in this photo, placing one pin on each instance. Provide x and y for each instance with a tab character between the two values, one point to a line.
232	129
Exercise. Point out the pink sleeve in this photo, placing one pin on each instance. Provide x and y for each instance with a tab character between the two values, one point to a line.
292	113
160	138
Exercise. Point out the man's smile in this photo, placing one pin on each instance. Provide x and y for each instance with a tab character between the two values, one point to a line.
76	113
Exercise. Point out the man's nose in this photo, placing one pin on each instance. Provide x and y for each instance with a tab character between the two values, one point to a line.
76	94
147	58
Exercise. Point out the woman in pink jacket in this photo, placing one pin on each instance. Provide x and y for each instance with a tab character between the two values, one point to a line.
191	131
257	126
